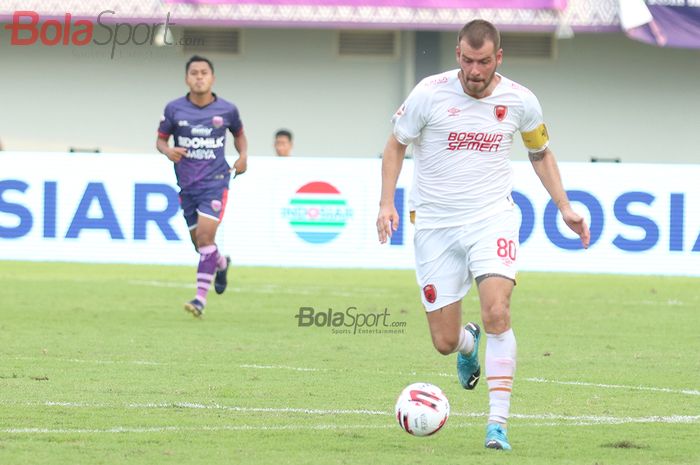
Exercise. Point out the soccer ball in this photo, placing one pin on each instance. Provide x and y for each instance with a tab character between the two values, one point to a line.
422	409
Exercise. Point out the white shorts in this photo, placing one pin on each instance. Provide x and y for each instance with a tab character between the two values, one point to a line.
447	259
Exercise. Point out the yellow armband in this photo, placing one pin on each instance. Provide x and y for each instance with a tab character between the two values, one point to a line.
537	138
412	216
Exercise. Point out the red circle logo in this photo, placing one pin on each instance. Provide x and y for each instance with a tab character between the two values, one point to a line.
430	293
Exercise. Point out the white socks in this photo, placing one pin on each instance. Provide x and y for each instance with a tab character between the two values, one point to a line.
465	346
500	369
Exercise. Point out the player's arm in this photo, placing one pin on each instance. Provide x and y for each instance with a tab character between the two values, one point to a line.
545	164
165	129
240	142
174	154
392	161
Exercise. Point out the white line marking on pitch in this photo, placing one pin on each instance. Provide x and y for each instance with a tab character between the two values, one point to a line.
98	362
146	362
281	367
306	411
691	392
196	406
258	289
163	284
585	420
570	420
592	421
166	429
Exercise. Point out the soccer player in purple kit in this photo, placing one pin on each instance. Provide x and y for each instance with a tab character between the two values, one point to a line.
198	123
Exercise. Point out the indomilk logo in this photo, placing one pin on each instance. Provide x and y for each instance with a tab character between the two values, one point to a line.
317	213
200	148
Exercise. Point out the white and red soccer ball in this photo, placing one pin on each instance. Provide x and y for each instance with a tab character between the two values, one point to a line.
422	409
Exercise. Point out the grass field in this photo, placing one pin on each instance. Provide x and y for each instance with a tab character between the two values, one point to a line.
100	365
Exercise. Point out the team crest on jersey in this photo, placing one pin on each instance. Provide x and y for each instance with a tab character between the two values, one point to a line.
500	111
430	293
216	205
217	121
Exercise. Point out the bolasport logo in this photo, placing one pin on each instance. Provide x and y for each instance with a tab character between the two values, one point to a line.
30	28
350	321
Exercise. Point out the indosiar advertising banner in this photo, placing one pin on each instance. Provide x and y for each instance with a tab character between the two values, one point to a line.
321	212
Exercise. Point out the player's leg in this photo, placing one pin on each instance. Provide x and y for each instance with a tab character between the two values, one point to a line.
208	257
449	337
210	208
218	205
188	202
189	211
492	261
446	330
443	277
193	236
495	292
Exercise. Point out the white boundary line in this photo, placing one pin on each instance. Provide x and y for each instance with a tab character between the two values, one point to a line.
97	362
280	367
306	411
168	429
260	289
688	392
551	419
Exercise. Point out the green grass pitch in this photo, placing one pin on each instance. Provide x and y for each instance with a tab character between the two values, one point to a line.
99	364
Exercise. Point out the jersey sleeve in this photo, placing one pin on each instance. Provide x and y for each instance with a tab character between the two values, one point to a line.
412	116
235	124
532	127
167	122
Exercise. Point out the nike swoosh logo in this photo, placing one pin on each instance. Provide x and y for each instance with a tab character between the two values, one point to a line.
473	381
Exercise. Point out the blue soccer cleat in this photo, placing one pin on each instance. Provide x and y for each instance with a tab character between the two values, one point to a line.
468	368
195	307
221	279
496	437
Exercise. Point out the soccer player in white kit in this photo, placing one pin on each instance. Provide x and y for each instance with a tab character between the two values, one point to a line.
461	124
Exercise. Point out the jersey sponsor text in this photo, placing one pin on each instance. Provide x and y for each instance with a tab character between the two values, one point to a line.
477	141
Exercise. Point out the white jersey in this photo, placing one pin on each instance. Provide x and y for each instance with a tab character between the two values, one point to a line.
461	147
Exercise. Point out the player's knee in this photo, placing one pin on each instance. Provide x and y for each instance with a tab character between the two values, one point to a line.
203	240
446	345
496	318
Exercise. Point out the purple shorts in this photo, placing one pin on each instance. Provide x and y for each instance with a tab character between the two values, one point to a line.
210	203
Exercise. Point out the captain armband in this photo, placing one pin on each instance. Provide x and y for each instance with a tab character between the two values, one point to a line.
537	139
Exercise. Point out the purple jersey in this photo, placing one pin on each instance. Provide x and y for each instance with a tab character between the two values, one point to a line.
202	131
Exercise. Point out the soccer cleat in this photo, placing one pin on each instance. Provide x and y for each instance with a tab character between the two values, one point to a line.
221	281
195	307
468	368
496	437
